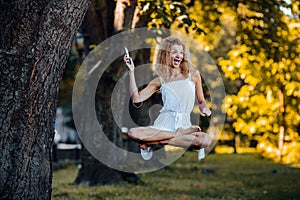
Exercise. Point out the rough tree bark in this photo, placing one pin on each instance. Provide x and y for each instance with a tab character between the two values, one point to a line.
34	45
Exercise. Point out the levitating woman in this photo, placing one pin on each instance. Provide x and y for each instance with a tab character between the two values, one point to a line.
179	84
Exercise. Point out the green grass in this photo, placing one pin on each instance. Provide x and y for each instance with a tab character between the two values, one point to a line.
219	176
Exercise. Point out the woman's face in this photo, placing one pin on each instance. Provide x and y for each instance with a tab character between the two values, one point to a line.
176	55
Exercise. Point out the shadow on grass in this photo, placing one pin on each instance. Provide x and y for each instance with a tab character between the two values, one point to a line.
219	176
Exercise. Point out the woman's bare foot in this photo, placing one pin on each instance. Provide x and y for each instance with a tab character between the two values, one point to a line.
192	129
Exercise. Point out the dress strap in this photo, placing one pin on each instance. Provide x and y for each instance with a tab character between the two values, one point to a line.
161	80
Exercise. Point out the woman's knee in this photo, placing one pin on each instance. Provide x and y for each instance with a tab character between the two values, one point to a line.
206	141
131	133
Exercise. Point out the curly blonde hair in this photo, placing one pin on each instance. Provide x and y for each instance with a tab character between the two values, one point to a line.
162	58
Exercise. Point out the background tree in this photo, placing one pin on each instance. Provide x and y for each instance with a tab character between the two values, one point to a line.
265	58
248	30
104	19
34	45
217	19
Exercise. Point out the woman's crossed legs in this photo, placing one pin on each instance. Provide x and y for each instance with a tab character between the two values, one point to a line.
191	137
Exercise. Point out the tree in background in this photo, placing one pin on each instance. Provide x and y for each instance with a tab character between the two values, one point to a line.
104	18
35	40
262	43
217	19
265	58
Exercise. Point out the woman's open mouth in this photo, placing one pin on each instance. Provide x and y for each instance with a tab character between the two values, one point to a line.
177	61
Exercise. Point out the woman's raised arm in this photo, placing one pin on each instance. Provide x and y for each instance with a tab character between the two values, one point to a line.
136	95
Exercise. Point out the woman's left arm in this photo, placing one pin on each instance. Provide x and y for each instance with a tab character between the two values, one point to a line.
204	110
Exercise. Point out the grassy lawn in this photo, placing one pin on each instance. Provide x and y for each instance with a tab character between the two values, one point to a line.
219	176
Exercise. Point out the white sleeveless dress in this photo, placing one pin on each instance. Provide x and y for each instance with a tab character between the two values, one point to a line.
178	101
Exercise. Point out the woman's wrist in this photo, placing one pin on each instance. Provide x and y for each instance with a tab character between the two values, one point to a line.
206	112
201	107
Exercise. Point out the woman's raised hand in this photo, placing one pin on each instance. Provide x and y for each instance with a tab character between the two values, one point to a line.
206	112
129	62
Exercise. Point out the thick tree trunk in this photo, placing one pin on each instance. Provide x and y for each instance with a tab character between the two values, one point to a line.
97	26
104	19
34	45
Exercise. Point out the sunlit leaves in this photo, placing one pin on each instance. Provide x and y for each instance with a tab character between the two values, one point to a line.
266	58
165	13
216	19
293	88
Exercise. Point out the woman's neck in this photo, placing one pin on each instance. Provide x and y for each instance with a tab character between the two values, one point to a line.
174	72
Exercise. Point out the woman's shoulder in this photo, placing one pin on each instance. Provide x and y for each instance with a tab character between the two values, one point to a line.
195	75
156	81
